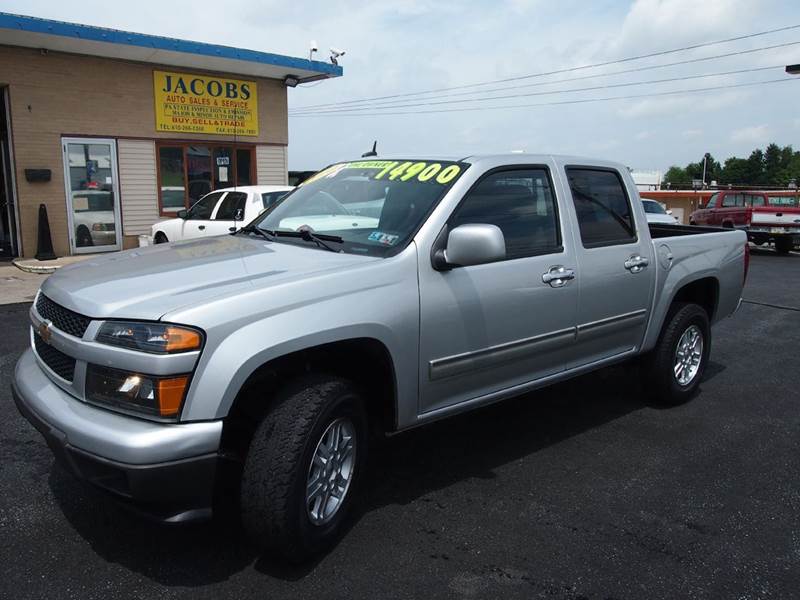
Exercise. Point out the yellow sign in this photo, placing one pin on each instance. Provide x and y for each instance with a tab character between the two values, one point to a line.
190	103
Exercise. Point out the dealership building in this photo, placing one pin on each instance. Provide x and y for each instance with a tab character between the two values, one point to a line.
112	131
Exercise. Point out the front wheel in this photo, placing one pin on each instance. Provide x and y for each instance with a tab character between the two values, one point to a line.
83	237
675	366
160	238
303	467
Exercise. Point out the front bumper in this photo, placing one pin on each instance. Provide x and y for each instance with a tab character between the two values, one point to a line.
165	470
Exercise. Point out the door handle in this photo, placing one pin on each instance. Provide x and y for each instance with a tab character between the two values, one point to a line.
636	263
558	276
201	227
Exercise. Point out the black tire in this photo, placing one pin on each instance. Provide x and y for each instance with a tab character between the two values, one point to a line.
160	238
83	238
661	380
783	245
276	471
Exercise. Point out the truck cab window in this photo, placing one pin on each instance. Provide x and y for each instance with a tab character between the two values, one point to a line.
521	204
602	206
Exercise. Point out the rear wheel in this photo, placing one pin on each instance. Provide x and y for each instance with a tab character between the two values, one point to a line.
303	466
783	245
675	366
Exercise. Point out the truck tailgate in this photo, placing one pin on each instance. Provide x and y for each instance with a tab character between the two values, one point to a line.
789	216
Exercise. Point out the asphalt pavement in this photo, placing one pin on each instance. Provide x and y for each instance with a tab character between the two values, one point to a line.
582	490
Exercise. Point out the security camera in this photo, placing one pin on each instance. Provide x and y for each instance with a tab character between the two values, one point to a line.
335	54
312	47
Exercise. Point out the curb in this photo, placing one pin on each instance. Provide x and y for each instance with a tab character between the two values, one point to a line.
25	265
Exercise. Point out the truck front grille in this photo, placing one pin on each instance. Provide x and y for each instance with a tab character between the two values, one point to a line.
62	318
58	362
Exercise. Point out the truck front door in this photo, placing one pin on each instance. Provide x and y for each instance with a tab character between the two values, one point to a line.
615	263
490	327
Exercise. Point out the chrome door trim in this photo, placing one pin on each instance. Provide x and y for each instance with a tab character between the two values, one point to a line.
491	356
601	325
516	390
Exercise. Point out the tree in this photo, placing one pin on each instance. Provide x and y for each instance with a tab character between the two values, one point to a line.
755	164
773	166
676	176
735	171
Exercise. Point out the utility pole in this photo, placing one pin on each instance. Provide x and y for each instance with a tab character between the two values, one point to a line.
705	158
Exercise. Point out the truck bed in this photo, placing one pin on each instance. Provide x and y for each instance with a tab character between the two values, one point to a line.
662	230
684	253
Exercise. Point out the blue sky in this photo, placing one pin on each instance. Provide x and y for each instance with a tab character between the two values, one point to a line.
408	46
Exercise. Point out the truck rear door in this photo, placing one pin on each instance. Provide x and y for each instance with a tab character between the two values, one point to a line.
490	327
615	264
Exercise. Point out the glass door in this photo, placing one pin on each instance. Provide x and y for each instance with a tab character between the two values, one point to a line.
92	186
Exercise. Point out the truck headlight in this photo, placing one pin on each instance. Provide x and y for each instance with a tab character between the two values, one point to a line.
158	396
157	338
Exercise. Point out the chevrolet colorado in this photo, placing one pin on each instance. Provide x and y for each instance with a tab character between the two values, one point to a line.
258	365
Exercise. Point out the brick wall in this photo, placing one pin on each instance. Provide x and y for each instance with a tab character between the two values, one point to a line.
59	94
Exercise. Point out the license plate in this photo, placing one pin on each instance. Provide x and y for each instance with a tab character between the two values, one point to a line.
777	230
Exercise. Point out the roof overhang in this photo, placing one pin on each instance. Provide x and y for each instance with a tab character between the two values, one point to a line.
58	36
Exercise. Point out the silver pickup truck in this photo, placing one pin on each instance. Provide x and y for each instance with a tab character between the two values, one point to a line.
378	296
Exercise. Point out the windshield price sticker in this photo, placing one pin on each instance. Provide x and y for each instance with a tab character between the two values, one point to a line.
393	170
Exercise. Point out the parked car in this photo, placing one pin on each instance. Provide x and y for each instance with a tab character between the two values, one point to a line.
656	213
253	367
218	212
93	218
765	219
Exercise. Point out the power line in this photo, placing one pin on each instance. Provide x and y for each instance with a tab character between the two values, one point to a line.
567	70
396	103
554	103
562	91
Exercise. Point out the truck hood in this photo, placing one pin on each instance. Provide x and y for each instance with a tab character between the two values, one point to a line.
147	283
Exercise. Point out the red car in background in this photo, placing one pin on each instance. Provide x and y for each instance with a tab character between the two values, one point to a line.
765	218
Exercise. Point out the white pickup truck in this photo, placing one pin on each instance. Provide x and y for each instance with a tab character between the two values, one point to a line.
252	367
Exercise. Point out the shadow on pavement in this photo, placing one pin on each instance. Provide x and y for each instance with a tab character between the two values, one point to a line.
401	469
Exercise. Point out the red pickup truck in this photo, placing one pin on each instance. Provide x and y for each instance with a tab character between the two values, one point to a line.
765	218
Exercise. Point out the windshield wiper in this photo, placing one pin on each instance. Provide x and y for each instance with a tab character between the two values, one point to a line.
307	236
267	235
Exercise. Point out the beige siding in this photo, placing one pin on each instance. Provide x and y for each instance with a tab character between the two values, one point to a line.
271	165
53	95
138	185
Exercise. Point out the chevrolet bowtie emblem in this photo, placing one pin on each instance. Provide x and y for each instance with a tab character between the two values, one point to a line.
44	331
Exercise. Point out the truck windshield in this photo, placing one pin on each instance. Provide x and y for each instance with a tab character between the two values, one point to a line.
373	206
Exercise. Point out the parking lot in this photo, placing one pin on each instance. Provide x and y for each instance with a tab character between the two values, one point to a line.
583	490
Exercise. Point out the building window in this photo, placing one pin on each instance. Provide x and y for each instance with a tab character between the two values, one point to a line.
189	171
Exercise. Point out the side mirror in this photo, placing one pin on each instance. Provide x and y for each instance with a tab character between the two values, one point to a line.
473	244
182	214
